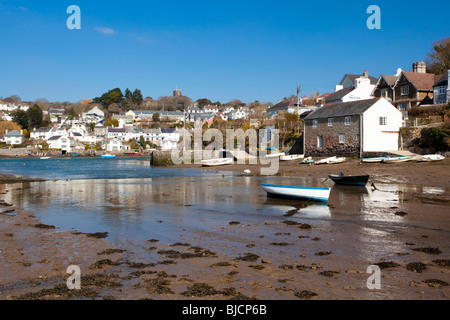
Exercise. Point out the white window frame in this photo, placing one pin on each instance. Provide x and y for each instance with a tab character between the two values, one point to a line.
330	122
383	121
348	121
315	123
342	138
404	90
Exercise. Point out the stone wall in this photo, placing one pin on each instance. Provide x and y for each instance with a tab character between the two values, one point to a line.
331	145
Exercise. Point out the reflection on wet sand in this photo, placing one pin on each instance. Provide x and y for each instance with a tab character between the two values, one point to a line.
233	216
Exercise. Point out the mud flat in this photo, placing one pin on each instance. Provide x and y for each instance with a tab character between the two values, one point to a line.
282	258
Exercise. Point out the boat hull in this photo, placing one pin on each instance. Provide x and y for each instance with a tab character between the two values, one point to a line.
108	157
350	180
332	160
431	158
294	192
292	157
398	159
373	160
217	162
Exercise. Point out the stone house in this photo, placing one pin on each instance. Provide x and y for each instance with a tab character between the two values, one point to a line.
352	129
385	86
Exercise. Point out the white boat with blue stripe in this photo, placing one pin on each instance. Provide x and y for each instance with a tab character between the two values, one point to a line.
296	192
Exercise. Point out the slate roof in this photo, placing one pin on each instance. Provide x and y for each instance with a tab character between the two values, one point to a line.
390	80
353	77
442	80
338	95
342	109
14	133
54	138
43	129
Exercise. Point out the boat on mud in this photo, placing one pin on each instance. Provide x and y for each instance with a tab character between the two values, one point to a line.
217	162
342	179
297	192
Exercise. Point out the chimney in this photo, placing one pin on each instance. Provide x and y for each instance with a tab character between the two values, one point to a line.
366	74
338	87
420	67
399	70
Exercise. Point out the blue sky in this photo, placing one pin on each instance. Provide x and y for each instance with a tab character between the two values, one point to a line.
220	50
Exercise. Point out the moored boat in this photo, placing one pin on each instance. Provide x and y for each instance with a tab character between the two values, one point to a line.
297	192
332	160
274	155
108	156
308	160
399	159
217	162
430	158
45	158
373	160
292	157
349	180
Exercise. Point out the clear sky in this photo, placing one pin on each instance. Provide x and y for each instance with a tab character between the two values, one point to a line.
220	50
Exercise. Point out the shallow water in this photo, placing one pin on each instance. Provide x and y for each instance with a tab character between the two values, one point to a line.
357	221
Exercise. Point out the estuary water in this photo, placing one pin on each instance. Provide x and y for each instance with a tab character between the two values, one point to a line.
134	202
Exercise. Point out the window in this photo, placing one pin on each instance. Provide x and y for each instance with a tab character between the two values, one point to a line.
404	90
315	122
442	90
384	93
330	122
348	121
342	138
383	121
403	106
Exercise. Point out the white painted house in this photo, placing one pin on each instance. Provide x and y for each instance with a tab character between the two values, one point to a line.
14	137
60	142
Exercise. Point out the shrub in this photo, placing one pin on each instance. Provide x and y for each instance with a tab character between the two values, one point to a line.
435	138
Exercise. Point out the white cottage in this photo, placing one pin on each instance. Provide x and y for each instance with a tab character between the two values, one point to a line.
14	137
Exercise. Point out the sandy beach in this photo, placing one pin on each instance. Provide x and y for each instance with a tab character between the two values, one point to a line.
293	261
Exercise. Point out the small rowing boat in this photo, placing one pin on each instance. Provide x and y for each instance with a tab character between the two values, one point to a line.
332	160
373	160
349	180
297	192
308	160
292	157
399	159
45	158
217	162
274	155
430	158
108	156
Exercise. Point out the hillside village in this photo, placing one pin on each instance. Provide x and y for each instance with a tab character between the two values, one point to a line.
331	123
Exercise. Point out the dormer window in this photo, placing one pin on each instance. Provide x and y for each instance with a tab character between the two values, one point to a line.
404	90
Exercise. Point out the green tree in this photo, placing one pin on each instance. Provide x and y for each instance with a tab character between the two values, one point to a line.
110	97
111	122
21	118
136	97
203	102
156	117
35	117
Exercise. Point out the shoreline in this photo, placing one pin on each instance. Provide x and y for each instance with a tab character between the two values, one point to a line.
195	270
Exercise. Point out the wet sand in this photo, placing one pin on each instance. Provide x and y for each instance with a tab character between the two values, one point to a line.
270	260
